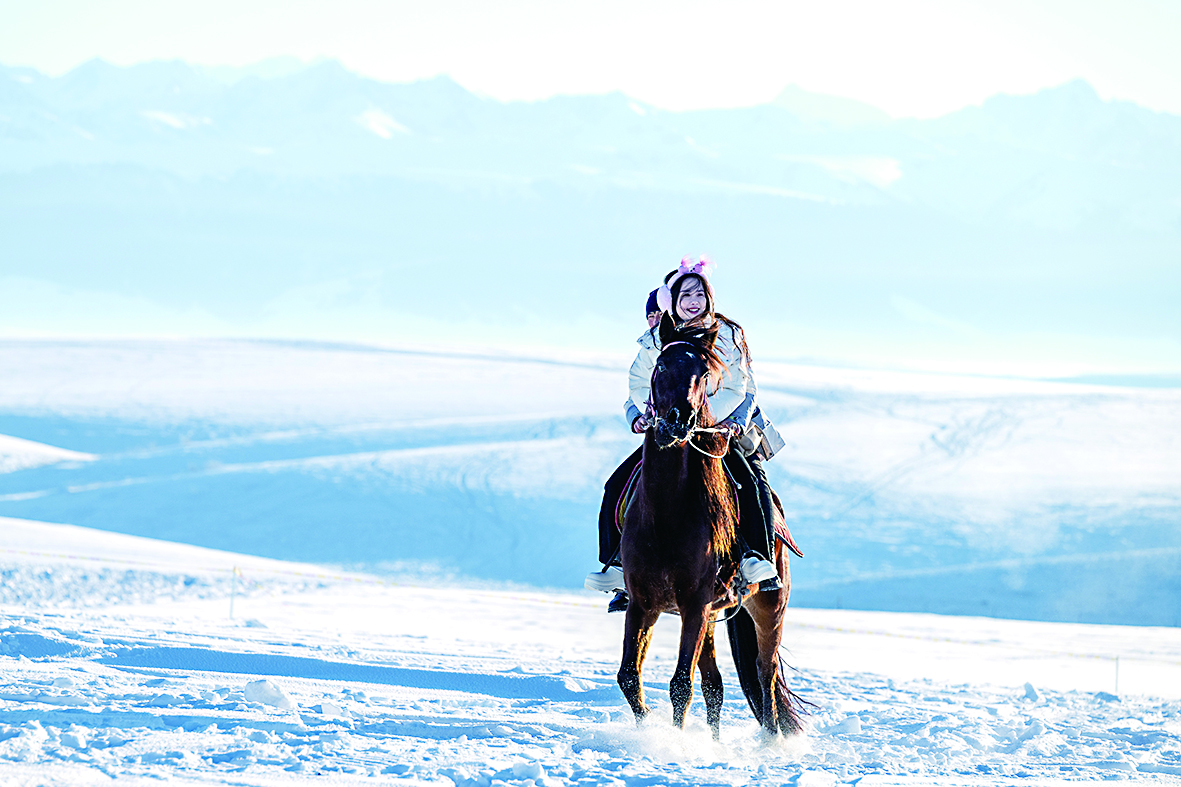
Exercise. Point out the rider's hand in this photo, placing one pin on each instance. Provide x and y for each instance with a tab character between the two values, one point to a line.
640	425
733	430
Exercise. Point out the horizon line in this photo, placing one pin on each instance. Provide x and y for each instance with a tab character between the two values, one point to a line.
324	60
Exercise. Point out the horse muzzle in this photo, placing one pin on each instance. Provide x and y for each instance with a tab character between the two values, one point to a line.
670	433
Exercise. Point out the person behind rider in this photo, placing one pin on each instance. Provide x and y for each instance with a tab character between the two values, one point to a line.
688	296
652	308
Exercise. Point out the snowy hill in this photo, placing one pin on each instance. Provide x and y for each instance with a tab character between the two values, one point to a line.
160	199
908	492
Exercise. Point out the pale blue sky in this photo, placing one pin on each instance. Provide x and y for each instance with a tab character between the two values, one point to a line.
908	57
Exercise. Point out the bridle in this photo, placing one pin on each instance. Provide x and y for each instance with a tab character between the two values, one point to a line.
694	429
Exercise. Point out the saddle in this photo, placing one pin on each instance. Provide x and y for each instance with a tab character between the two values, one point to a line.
629	494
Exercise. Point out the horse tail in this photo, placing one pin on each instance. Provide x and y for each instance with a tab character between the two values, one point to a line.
789	706
744	647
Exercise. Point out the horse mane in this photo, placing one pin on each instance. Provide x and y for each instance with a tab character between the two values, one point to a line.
703	338
717	497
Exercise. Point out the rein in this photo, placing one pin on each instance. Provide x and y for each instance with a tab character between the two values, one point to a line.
693	430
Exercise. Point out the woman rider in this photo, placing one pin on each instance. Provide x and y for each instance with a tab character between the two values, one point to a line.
688	296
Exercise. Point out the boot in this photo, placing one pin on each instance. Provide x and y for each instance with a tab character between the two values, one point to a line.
757	570
609	580
619	603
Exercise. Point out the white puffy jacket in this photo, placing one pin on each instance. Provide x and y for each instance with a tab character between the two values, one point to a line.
734	397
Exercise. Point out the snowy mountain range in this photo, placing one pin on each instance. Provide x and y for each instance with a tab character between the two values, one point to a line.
310	201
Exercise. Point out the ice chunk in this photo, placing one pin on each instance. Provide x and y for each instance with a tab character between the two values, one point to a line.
268	694
1031	692
850	725
528	770
1034	729
331	710
75	738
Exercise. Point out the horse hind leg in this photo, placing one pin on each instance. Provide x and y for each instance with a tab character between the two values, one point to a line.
637	636
711	682
767	610
787	706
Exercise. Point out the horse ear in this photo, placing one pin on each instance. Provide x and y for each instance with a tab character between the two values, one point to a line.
668	331
709	337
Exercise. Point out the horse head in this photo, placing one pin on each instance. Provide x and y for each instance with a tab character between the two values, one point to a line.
686	371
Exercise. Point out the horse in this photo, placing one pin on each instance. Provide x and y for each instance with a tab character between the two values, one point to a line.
677	553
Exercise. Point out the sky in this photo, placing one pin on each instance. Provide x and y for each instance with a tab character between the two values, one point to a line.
911	58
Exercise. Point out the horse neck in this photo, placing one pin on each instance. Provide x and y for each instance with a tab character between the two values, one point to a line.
677	493
666	476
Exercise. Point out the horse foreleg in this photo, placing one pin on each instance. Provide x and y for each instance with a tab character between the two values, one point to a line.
637	635
694	621
711	682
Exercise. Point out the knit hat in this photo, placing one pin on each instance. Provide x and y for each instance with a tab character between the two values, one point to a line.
704	268
652	306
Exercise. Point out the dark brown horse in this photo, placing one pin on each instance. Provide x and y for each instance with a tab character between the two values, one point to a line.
677	552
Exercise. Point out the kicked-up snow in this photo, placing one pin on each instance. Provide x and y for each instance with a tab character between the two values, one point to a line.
351	679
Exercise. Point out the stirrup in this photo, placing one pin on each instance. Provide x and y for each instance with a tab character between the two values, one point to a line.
619	603
756	570
770	584
609	580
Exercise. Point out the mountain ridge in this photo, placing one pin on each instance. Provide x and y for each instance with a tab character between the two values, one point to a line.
1021	214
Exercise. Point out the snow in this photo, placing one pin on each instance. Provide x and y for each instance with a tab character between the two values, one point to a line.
362	680
289	559
171	120
909	492
381	123
18	454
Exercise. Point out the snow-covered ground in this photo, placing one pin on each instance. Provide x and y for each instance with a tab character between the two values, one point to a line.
908	492
137	673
